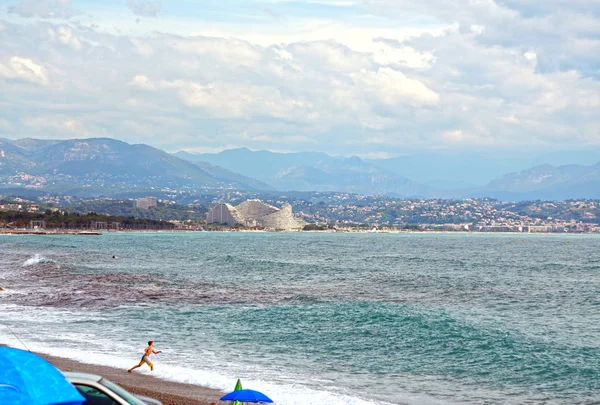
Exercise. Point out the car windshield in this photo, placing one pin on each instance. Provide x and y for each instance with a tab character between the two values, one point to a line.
122	392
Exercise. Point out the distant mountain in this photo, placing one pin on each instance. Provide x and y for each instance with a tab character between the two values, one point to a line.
546	182
309	171
260	164
454	170
235	178
439	175
104	165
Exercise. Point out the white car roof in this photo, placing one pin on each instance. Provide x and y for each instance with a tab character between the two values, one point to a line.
81	376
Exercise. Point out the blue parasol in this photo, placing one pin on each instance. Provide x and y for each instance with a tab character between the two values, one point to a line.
27	379
247	396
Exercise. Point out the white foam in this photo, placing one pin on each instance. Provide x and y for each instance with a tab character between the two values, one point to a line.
282	394
211	372
36	259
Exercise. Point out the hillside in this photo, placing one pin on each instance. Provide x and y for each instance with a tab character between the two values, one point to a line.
104	165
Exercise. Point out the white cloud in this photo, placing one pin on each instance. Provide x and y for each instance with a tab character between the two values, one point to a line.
24	69
330	55
392	87
477	29
229	51
142	82
403	55
477	73
56	125
5	125
227	100
511	119
454	136
142	47
65	36
283	54
530	55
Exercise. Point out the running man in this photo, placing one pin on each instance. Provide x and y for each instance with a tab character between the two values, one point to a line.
146	357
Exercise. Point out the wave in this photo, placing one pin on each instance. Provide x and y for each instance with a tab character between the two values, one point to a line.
285	394
37	259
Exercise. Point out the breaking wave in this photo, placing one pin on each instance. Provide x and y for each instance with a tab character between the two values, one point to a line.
37	259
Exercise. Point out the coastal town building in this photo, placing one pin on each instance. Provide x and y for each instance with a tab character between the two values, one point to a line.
10	207
253	210
254	213
224	214
145	203
37	224
282	220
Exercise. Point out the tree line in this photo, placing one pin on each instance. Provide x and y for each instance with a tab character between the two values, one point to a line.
61	219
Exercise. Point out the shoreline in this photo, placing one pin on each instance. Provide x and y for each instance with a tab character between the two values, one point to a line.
104	231
168	392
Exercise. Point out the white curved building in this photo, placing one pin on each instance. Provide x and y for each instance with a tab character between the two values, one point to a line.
282	220
256	212
255	209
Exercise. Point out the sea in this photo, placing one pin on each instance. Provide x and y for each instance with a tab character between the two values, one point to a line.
320	318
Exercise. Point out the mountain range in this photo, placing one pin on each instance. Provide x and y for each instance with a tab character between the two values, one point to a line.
454	175
91	167
104	165
310	171
454	169
546	182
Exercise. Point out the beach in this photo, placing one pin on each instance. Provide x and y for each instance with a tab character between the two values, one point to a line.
169	392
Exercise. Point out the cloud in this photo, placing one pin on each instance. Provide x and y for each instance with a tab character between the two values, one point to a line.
5	125
142	47
60	9
391	87
65	36
491	73
142	82
226	99
24	69
552	28
393	52
57	124
229	51
330	55
145	8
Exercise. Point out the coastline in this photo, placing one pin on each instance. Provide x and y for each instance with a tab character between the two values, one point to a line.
424	232
169	392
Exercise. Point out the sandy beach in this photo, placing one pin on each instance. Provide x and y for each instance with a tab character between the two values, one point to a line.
170	393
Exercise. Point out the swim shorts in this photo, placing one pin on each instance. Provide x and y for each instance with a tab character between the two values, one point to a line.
145	359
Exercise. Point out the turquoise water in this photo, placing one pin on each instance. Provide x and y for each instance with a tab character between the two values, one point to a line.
321	318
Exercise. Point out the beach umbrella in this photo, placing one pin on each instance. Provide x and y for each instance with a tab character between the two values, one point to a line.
238	387
27	379
247	396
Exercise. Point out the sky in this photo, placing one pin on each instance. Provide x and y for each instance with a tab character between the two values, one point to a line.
373	78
